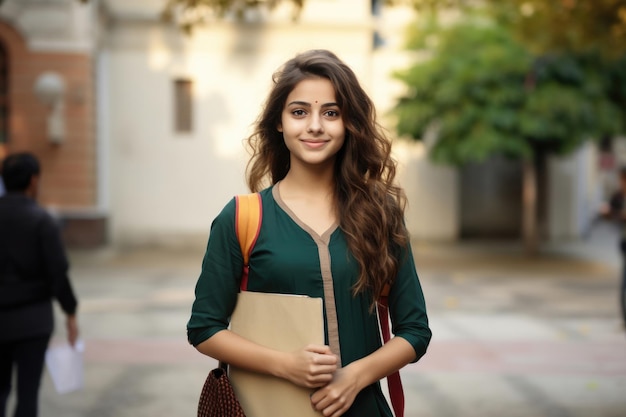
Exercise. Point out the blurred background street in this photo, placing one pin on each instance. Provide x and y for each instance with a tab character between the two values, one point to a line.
512	336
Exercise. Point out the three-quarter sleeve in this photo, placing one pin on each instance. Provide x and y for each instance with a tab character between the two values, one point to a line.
407	307
219	280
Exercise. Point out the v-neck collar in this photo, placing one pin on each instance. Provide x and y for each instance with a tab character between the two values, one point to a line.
324	237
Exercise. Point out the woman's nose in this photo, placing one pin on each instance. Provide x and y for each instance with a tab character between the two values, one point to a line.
315	125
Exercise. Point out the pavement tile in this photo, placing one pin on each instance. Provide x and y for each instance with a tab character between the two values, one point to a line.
513	336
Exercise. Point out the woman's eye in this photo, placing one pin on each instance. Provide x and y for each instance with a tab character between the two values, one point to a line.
298	113
332	113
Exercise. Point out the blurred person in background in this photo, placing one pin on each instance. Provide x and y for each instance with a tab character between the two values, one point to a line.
615	210
33	271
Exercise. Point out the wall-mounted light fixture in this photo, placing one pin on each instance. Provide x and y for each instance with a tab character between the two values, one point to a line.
50	89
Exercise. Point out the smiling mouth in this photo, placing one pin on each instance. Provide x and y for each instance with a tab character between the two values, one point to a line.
314	141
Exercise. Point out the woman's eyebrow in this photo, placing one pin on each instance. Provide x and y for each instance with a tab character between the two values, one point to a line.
306	104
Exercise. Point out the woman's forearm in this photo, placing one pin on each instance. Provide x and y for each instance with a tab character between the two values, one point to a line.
311	366
391	357
235	350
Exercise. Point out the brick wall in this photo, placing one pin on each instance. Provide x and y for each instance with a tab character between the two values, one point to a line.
68	182
69	169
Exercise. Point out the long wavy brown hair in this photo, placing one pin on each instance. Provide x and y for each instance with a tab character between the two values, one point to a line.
370	206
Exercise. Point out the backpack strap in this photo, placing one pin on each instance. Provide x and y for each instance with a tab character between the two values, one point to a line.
394	383
248	217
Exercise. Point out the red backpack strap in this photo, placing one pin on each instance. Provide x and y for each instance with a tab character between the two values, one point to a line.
394	383
248	217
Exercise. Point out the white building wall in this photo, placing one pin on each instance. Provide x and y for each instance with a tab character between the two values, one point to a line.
575	193
432	193
165	187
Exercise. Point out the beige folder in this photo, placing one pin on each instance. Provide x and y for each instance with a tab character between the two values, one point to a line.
281	322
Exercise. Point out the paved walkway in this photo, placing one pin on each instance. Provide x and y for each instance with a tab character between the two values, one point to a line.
513	336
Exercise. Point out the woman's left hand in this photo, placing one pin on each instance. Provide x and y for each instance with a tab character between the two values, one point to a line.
336	398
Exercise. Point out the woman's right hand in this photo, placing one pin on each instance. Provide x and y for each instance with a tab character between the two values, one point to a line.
312	366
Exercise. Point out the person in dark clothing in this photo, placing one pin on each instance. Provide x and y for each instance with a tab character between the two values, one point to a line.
616	210
33	272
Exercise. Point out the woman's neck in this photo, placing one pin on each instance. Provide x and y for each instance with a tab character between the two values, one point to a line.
310	182
311	197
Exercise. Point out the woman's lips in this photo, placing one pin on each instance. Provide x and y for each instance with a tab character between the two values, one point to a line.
314	143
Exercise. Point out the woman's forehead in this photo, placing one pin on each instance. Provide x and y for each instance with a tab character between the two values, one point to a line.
311	90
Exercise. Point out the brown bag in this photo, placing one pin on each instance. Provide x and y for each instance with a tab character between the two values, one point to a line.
218	398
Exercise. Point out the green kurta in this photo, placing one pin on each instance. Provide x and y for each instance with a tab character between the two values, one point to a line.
290	258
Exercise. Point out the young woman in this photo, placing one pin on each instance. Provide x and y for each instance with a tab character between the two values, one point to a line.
331	209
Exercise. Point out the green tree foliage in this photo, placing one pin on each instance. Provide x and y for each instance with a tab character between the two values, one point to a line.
579	28
566	25
616	74
482	93
549	25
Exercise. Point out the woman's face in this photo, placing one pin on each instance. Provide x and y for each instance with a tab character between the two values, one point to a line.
311	123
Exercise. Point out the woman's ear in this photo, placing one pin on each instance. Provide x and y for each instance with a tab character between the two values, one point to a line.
280	127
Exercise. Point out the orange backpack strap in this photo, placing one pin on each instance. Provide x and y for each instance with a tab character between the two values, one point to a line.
248	216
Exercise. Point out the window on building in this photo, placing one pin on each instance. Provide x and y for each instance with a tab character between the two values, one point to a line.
377	39
4	94
183	105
